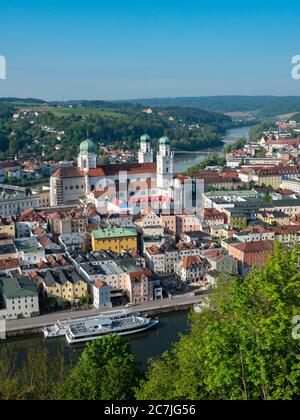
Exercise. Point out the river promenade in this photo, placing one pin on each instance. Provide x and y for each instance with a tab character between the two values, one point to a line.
34	325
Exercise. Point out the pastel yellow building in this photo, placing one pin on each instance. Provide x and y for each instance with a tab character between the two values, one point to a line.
274	217
115	239
64	286
272	180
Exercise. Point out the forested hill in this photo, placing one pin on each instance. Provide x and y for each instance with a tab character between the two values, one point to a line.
264	105
32	127
261	105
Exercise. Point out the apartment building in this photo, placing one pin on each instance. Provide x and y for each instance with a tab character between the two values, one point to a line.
20	298
63	285
192	269
115	239
249	255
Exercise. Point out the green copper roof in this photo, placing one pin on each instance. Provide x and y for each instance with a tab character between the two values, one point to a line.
145	138
113	233
87	146
164	140
17	287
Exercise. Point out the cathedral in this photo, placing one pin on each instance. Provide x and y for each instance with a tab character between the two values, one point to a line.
129	181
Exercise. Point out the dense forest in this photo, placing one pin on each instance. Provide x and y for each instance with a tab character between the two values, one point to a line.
244	346
107	125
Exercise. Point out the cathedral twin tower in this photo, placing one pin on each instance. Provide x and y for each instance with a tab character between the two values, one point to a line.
165	159
87	158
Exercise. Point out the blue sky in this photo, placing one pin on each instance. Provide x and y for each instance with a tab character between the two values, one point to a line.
115	49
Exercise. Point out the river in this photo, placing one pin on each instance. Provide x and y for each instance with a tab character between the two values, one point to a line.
144	346
184	160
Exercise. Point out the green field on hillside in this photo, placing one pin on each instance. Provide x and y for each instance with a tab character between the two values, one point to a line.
66	111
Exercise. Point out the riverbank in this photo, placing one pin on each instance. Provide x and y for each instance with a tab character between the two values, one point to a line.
32	326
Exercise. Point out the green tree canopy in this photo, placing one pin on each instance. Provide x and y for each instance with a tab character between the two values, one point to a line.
107	370
242	348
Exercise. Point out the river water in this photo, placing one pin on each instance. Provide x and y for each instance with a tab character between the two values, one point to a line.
185	160
144	346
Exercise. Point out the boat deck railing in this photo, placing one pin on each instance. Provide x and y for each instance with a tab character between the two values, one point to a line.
81	329
110	314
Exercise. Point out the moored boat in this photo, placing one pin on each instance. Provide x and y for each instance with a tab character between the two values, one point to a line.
97	328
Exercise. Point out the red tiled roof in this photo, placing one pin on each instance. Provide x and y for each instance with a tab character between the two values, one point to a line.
38	231
190	262
99	284
45	241
137	277
185	247
285	230
214	213
42	265
52	261
9	264
282	142
130	168
154	250
68	173
250	247
278	170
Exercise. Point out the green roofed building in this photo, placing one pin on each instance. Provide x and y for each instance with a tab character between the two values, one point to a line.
19	298
115	239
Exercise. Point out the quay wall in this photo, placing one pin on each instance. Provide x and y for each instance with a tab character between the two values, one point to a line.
37	329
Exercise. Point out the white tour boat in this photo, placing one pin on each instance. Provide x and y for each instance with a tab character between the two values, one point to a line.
90	330
61	328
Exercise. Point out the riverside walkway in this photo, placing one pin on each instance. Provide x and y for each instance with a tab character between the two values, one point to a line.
34	325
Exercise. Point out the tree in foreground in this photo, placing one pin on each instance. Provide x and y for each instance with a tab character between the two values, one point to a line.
107	370
242	348
33	379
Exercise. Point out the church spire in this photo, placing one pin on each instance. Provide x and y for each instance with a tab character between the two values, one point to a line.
145	152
